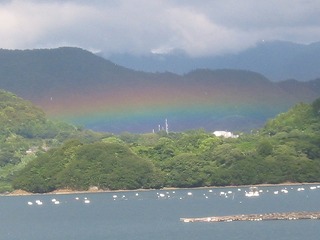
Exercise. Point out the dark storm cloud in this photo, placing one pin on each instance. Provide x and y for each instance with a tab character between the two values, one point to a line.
141	26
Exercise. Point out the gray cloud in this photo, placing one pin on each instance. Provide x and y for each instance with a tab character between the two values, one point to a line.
140	26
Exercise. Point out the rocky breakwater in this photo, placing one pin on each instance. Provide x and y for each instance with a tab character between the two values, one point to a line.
256	217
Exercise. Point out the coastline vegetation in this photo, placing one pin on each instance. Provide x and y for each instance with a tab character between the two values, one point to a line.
39	155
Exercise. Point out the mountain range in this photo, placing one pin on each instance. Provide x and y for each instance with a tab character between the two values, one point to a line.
82	88
277	60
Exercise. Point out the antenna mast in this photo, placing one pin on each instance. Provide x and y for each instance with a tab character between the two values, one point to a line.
167	126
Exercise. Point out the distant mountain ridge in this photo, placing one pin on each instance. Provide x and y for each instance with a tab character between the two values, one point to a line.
44	70
277	60
75	85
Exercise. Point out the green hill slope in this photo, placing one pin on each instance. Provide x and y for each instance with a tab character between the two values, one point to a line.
25	132
77	166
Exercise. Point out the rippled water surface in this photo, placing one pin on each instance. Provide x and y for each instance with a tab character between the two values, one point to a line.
156	214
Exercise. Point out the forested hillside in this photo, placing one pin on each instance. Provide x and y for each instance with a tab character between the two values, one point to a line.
285	150
25	132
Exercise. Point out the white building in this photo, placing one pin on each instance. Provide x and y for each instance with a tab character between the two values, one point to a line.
225	134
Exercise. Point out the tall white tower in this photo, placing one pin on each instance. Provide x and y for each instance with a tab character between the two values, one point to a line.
167	126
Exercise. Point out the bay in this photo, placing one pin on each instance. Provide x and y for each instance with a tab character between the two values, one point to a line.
156	214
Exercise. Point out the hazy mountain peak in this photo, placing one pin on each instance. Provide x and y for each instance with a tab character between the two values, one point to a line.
277	60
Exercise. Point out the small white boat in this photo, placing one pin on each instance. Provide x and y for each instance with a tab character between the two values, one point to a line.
253	192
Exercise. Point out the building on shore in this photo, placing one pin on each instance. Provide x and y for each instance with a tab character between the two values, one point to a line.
225	134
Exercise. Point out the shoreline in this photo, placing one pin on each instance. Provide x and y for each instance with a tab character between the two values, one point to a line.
94	190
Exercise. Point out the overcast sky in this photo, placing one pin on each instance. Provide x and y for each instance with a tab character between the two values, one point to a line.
199	27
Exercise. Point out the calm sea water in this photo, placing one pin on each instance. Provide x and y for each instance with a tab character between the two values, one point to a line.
155	214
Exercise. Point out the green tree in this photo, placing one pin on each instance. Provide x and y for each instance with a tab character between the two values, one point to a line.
264	147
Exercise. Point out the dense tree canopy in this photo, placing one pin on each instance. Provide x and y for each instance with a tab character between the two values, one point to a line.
81	166
25	132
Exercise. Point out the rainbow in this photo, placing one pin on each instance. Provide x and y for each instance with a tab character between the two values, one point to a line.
143	109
